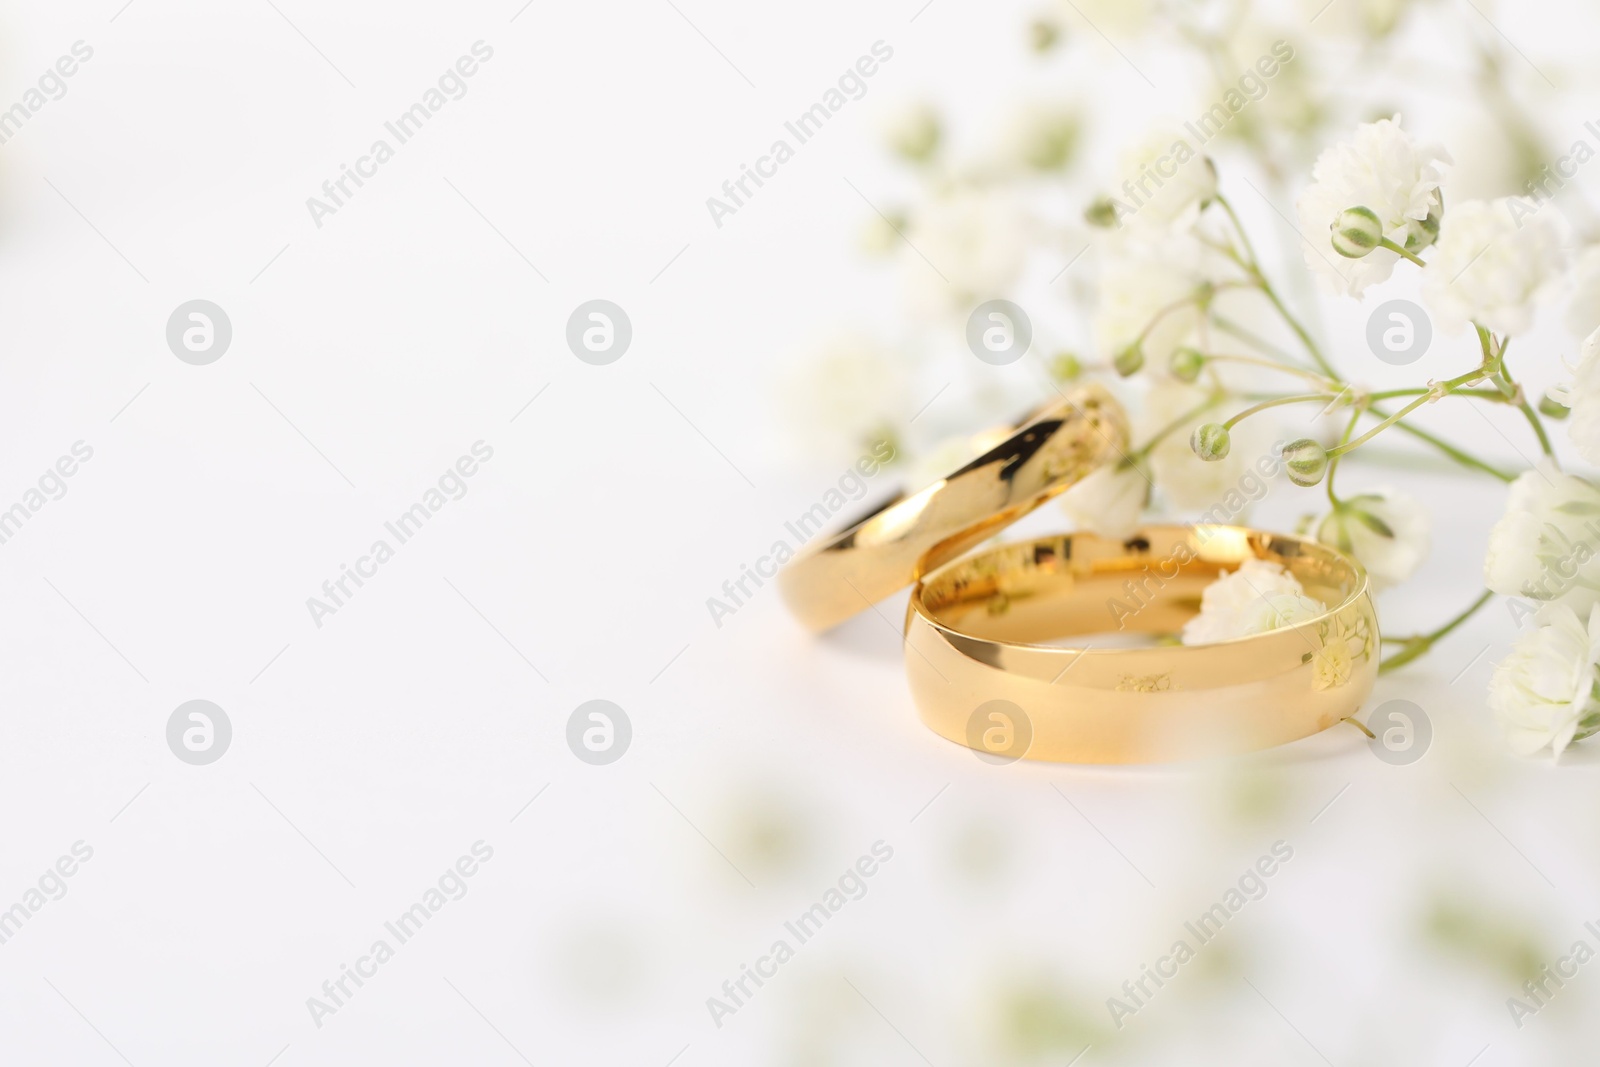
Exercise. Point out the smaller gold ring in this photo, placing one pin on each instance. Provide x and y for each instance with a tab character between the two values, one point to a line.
893	546
1014	651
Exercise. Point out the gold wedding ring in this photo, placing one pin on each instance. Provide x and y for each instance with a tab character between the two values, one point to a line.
896	544
1022	651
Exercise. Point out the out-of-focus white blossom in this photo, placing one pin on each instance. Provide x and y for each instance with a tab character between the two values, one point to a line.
847	393
1146	272
1382	169
1583	397
1546	692
913	130
1491	267
1040	135
1165	179
1583	313
1258	597
1186	481
1109	501
1388	532
1547	545
968	243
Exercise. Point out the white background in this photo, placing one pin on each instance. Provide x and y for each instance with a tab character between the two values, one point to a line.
368	754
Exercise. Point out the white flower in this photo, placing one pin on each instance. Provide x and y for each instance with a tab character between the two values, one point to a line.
1146	272
977	238
1584	399
1108	502
1040	135
1189	483
1156	197
1490	266
1583	314
913	130
1547	545
848	393
1381	169
1386	531
1546	692
1258	597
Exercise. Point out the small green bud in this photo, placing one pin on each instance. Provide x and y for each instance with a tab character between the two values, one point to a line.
1356	232
1306	461
1421	233
1210	442
1552	407
1066	366
1187	363
1129	360
1101	213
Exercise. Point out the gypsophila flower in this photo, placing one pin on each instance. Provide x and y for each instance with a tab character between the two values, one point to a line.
1546	692
1387	531
1383	170
1583	313
968	243
1165	179
1258	597
1547	545
1109	501
1583	399
1491	267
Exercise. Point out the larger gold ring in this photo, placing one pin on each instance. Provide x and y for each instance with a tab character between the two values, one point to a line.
896	544
1014	651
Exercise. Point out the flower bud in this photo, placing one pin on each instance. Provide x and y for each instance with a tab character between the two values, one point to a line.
1043	35
1554	407
1187	363
915	132
1102	213
1306	461
1129	360
1356	232
1066	366
1420	233
1210	442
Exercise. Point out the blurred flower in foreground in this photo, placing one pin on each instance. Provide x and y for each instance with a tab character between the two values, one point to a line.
1151	281
848	394
968	243
1189	483
913	131
1584	400
1041	136
1109	501
1583	313
1383	170
1546	692
1258	597
1156	197
1491	266
1545	547
1387	531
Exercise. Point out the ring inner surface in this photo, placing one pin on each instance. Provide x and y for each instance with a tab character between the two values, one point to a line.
1077	585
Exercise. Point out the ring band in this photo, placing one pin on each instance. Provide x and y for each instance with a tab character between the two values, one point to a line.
896	544
986	635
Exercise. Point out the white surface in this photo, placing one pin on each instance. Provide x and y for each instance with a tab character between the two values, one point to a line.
763	764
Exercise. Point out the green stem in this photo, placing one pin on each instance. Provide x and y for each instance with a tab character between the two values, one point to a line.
1466	459
1417	646
1391	246
1428	396
1177	424
1299	398
1272	364
1333	464
1254	266
1509	387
